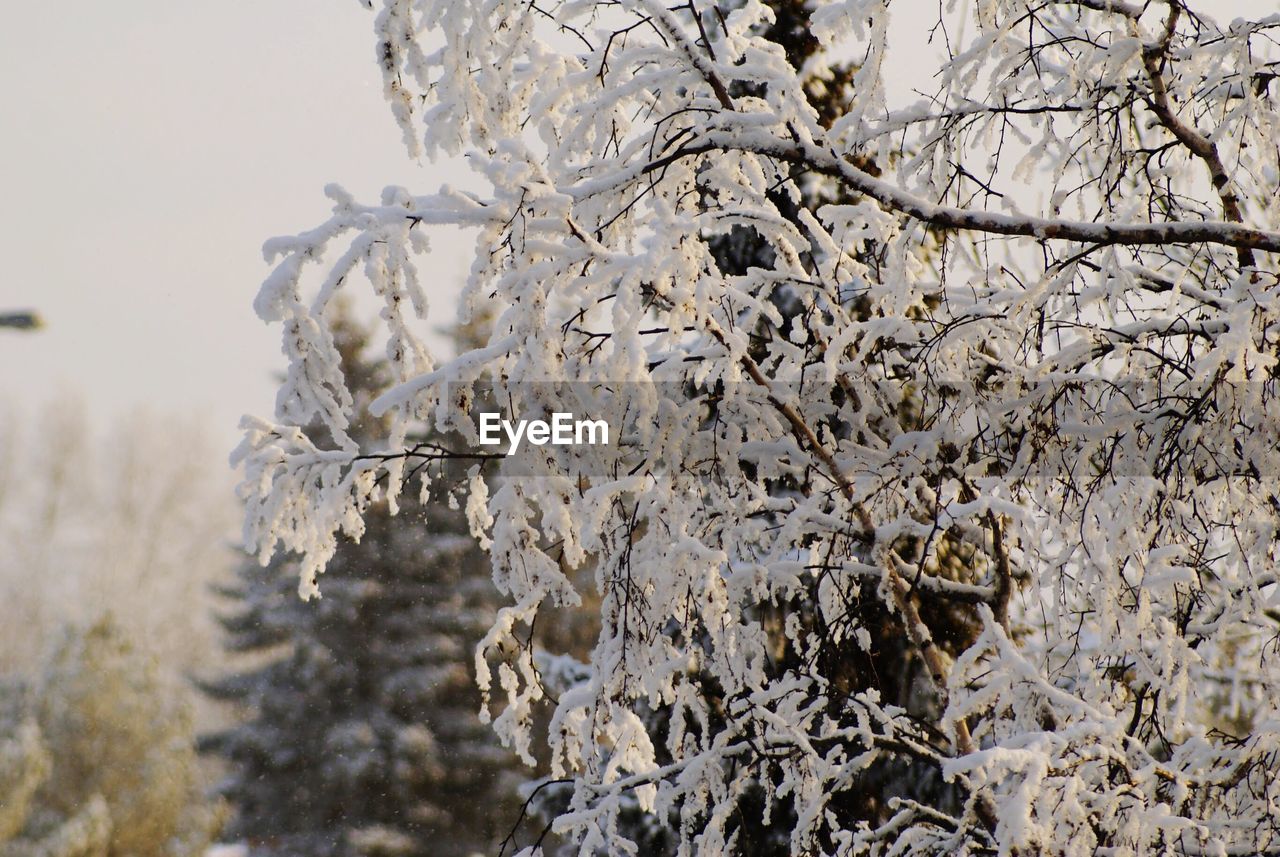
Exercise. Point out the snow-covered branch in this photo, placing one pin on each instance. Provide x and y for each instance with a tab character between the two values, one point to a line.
941	514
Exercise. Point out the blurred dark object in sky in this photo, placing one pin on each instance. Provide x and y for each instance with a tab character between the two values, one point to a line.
23	320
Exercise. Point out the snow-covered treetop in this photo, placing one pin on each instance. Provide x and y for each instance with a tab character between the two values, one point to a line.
1008	354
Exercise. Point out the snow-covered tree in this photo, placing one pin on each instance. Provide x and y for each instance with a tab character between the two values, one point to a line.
990	382
363	735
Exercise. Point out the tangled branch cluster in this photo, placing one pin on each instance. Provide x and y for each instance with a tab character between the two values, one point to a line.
960	535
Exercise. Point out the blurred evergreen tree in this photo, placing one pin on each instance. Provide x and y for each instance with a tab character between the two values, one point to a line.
363	735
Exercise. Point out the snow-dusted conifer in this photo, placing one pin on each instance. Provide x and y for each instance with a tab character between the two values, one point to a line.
362	734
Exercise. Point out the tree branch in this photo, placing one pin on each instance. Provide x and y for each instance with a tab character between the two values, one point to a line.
1153	60
827	162
917	630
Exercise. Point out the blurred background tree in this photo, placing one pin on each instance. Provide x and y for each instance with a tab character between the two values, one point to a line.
111	541
135	519
363	735
97	757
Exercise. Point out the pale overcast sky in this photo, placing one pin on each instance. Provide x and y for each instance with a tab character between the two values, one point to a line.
148	149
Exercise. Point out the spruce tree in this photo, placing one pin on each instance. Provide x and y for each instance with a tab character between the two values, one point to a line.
363	736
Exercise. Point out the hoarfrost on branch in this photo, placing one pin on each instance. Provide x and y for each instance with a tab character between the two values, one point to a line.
999	371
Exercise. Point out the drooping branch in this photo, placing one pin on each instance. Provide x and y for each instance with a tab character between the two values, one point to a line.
1154	58
917	630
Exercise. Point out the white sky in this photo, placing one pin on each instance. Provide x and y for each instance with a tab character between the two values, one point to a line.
147	148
